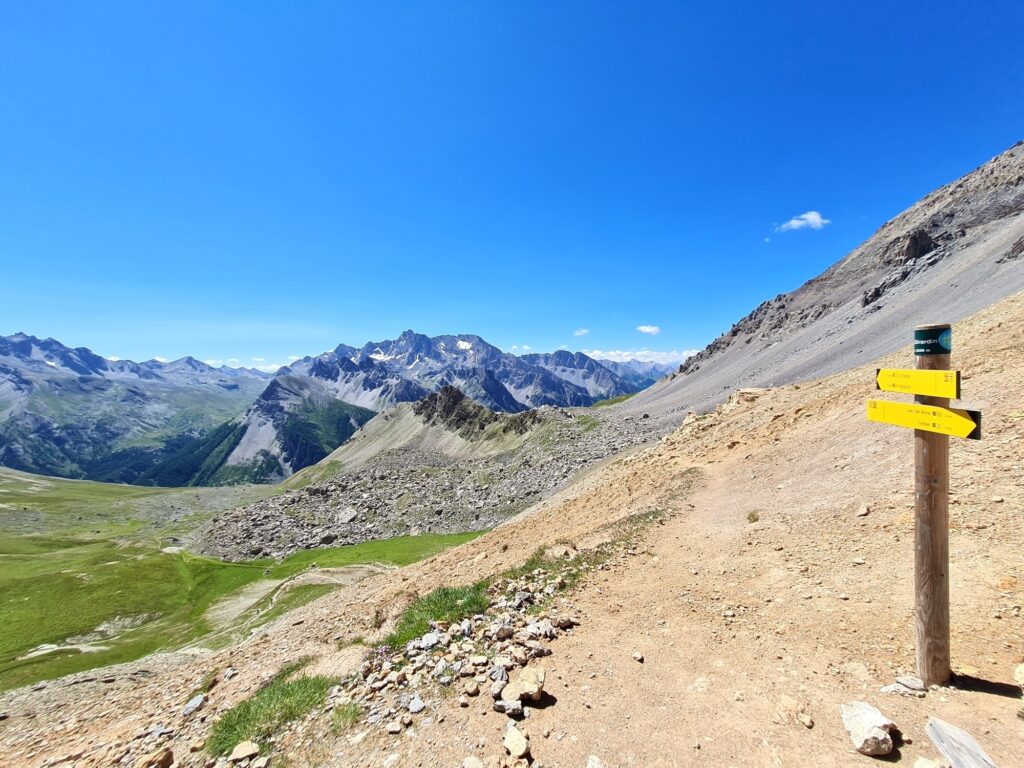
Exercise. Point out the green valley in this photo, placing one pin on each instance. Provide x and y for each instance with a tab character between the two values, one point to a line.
93	574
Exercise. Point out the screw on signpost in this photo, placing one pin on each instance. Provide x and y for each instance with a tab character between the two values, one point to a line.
932	345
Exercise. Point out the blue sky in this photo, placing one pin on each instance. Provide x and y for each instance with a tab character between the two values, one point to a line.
265	180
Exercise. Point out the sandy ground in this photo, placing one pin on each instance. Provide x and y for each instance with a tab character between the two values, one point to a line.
742	625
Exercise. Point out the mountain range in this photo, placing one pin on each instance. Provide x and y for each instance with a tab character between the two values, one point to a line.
72	413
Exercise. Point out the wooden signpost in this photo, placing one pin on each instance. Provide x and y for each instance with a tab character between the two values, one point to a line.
933	421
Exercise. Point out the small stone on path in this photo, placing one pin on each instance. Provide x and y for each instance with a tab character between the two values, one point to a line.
243	751
516	742
912	682
639	657
868	728
194	704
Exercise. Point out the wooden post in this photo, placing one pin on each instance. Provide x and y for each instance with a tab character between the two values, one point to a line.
931	519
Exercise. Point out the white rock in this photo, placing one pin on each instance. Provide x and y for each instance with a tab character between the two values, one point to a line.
868	728
516	742
243	751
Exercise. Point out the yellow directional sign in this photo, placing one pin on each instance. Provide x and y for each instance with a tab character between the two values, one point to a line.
930	418
920	382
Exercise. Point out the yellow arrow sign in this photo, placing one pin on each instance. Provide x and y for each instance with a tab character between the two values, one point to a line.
911	382
930	418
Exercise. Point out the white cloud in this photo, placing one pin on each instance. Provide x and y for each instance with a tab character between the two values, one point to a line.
527	348
161	359
114	358
650	330
293	358
767	239
581	332
259	359
809	220
214	363
233	361
269	368
646	355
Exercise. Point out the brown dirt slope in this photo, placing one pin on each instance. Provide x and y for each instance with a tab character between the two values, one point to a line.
742	625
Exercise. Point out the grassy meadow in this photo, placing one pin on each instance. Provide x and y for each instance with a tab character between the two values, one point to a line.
90	574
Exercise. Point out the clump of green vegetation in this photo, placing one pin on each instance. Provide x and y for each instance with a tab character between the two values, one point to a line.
296	597
753	516
446	604
612	401
401	550
206	684
278	702
345	717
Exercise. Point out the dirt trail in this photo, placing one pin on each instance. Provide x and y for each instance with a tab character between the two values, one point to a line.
742	625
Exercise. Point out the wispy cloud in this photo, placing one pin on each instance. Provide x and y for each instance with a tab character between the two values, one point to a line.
650	330
161	359
293	358
646	355
520	348
809	220
581	332
259	359
214	363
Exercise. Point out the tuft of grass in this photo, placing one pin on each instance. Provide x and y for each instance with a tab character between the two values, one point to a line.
753	516
447	604
279	702
345	717
206	684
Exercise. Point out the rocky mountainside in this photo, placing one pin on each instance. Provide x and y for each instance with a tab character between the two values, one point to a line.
284	431
597	378
639	374
72	413
957	250
384	373
295	422
444	464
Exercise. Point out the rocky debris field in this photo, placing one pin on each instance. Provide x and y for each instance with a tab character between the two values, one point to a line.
408	491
